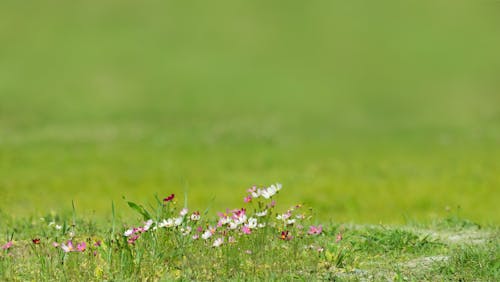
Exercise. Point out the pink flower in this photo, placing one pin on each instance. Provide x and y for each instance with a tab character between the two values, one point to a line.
339	237
246	230
7	246
272	204
55	244
248	199
253	189
315	230
132	239
81	247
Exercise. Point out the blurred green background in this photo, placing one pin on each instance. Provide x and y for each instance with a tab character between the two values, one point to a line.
368	111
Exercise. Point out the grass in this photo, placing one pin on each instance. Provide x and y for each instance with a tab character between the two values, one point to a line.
341	252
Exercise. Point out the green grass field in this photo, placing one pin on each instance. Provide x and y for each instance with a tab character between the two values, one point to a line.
367	112
382	117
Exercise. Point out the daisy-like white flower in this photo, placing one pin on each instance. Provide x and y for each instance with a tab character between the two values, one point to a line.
290	221
128	232
252	223
300	216
270	191
261	225
284	216
68	247
58	227
166	223
261	214
195	216
256	193
218	242
178	221
233	225
208	233
267	193
183	212
147	225
186	231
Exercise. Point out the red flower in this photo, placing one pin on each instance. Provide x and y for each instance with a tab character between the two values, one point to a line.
285	236
36	241
169	198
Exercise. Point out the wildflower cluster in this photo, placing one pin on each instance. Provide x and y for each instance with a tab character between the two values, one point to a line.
258	220
229	225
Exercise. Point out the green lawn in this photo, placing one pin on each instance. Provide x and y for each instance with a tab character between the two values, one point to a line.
366	112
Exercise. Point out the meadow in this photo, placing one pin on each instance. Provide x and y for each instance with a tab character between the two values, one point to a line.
369	113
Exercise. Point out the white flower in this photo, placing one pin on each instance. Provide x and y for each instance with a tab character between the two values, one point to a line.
268	193
252	223
67	248
256	194
218	242
290	222
58	227
261	214
240	219
195	217
128	232
207	234
148	225
186	231
261	225
178	221
233	225
183	212
278	186
166	223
